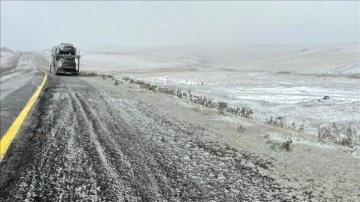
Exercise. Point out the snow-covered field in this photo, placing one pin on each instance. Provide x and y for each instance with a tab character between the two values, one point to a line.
271	80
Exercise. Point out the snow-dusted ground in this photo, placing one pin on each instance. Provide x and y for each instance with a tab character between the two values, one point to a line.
283	82
116	62
6	57
255	79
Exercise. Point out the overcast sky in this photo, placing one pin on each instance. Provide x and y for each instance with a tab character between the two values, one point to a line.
43	24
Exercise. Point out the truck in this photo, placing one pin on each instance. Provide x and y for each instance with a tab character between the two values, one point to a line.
65	60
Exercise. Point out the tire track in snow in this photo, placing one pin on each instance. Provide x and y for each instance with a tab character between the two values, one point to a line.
95	132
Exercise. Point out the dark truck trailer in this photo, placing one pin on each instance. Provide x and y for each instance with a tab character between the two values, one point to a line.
68	63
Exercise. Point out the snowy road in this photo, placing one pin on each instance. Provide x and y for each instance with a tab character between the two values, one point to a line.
17	84
85	143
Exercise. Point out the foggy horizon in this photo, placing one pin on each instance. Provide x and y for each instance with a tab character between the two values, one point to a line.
27	26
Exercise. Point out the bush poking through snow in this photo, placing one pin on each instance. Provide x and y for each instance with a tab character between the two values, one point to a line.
280	146
286	145
222	106
142	84
246	112
302	127
104	76
342	134
202	100
279	121
241	129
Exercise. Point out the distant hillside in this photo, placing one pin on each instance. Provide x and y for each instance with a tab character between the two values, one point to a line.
334	49
337	59
4	49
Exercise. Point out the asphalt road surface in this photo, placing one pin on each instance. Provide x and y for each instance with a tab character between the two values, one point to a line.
83	142
17	85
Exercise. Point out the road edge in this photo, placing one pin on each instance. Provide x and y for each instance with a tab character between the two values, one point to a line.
15	126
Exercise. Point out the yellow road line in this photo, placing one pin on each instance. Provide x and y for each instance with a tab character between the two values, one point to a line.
15	126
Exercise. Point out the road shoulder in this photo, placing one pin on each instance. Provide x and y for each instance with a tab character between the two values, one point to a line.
311	167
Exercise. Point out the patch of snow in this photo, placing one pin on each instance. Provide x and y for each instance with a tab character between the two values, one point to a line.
6	58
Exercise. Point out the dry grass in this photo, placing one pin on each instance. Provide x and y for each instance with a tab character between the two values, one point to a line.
88	73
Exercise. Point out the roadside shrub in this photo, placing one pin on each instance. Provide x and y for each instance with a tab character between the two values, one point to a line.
241	129
152	87
286	145
222	106
279	121
179	93
342	134
246	112
280	146
302	127
202	100
86	73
